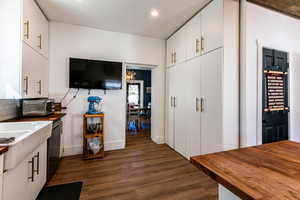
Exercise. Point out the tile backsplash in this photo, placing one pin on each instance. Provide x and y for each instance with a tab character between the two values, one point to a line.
9	109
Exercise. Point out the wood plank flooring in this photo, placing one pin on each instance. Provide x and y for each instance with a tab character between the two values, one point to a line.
142	171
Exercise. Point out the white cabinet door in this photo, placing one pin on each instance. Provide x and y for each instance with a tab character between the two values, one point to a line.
34	74
170	51
40	170
212	26
170	106
28	70
45	37
193	109
180	45
30	23
193	40
180	110
211	93
42	35
42	77
16	182
27	179
35	27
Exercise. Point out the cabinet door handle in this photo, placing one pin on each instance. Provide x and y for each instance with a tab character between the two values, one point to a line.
40	87
26	34
26	85
172	58
202	43
197	104
171	102
175	102
202	105
197	45
37	156
175	57
31	178
40	41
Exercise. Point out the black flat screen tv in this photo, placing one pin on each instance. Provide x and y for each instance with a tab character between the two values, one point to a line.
95	74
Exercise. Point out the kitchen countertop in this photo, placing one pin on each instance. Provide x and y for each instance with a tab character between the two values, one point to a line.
269	171
52	117
3	150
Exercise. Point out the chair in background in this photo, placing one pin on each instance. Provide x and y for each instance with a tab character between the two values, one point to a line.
133	119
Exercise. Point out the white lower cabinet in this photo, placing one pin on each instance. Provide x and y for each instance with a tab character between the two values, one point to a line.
27	179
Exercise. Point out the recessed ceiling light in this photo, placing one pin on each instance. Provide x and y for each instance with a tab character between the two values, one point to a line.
154	13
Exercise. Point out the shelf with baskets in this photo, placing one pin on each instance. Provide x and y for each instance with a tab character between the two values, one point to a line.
93	136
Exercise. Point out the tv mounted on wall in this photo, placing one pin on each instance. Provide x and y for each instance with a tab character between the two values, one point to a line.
95	74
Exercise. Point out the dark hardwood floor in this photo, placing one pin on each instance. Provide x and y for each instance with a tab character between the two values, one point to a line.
142	171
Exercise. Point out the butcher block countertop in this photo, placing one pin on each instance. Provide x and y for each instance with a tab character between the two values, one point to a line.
270	171
3	150
52	117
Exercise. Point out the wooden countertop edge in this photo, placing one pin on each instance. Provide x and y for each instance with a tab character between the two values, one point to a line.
52	117
3	150
221	180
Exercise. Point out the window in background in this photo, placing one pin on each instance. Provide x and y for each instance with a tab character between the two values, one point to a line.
133	96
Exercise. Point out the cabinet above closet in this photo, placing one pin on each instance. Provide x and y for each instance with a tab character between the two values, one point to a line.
23	50
200	35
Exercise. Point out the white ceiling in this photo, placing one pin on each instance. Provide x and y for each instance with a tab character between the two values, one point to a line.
127	16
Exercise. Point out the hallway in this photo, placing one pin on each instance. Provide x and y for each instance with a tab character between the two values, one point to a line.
142	171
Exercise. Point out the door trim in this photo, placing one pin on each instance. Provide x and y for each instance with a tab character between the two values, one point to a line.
260	45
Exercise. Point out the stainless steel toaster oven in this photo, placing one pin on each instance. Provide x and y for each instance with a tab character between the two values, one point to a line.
37	107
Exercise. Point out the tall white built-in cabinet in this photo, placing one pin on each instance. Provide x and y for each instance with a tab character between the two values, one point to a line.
202	81
23	50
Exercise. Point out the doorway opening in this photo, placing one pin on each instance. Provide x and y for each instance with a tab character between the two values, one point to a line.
138	105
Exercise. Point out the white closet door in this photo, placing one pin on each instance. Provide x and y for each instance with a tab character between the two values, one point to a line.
212	26
192	104
180	110
211	92
170	110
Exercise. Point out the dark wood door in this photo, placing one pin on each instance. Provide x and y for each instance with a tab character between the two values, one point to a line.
275	118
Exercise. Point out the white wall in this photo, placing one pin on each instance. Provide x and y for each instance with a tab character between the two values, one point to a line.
266	28
76	41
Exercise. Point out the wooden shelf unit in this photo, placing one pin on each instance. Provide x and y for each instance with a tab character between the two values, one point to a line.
87	154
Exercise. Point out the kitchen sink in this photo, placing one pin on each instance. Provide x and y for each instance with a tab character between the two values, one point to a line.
28	136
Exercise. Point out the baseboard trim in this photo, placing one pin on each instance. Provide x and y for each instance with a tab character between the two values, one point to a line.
114	145
158	139
108	146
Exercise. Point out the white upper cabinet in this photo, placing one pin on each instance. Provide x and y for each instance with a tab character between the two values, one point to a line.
212	26
170	51
202	34
193	37
24	50
180	45
35	28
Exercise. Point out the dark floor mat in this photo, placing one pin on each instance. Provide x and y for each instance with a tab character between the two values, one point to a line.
69	191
